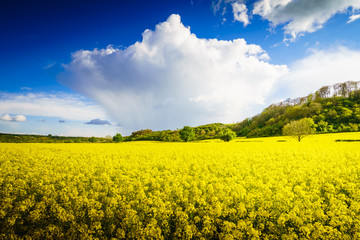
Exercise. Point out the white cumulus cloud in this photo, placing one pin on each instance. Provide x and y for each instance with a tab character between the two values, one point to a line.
19	118
301	16
16	118
6	117
172	78
240	13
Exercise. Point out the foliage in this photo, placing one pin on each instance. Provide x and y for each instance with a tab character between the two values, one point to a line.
208	131
93	139
187	134
118	138
228	135
333	109
21	138
149	135
299	129
140	133
145	190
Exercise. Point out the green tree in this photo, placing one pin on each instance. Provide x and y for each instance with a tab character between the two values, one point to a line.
315	108
118	138
322	126
299	129
93	139
228	135
346	113
187	133
332	114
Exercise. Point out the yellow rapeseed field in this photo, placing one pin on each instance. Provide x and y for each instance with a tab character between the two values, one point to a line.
263	188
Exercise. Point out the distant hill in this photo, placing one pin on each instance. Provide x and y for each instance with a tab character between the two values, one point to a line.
333	108
25	138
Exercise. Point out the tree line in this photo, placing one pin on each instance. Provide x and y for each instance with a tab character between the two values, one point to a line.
186	134
24	138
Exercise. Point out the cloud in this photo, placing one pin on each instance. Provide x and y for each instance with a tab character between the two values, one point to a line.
240	12
301	16
98	122
172	78
216	5
16	118
296	16
50	65
320	68
90	130
71	128
19	118
62	105
5	117
26	88
353	18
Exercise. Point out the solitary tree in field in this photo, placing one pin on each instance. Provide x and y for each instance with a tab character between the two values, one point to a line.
187	134
118	138
299	129
228	135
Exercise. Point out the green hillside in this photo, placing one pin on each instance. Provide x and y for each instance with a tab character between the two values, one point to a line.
333	108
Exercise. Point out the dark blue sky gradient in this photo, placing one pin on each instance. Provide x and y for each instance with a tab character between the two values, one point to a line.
35	34
39	33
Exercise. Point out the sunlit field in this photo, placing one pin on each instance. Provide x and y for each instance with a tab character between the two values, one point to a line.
261	188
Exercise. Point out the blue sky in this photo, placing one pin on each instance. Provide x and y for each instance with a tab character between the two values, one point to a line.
85	68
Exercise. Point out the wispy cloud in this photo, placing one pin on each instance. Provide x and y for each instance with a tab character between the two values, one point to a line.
26	88
50	65
353	18
71	128
62	105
